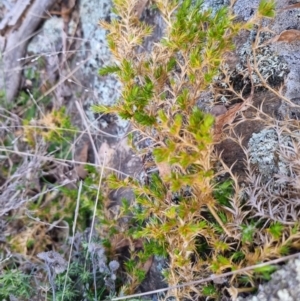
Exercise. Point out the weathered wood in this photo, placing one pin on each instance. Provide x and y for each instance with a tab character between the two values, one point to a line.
17	32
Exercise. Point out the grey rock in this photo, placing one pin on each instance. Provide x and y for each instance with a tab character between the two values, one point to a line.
283	286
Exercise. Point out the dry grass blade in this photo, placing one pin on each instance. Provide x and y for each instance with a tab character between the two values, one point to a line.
296	5
96	201
88	131
73	238
63	161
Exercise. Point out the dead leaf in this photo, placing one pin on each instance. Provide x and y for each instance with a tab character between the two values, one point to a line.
147	265
119	241
139	7
82	156
230	115
224	119
218	110
288	36
297	5
233	292
64	9
164	169
106	154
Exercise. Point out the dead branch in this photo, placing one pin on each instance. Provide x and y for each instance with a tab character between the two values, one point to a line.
16	34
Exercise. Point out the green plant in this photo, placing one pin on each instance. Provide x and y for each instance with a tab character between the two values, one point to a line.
265	272
15	283
159	97
182	208
88	266
89	276
55	129
266	8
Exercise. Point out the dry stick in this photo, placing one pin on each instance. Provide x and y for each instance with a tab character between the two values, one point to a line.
63	80
3	69
46	224
211	278
58	128
81	112
35	57
62	160
97	198
15	49
6	259
73	238
88	131
94	216
33	100
219	221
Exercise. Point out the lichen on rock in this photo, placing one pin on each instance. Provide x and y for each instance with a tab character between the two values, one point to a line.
283	286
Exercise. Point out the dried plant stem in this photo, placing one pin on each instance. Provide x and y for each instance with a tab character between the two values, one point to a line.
80	110
94	217
73	238
217	218
62	161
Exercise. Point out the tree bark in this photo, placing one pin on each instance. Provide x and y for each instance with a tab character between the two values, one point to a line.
15	34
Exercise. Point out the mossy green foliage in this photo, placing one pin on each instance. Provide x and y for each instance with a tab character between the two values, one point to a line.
63	206
87	199
75	285
81	276
55	128
266	8
265	272
15	283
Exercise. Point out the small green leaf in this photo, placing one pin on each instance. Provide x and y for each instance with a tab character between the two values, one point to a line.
125	115
171	64
284	250
238	256
247	233
109	69
266	271
144	119
161	154
176	126
127	74
223	191
266	8
100	109
162	116
276	230
158	72
209	290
